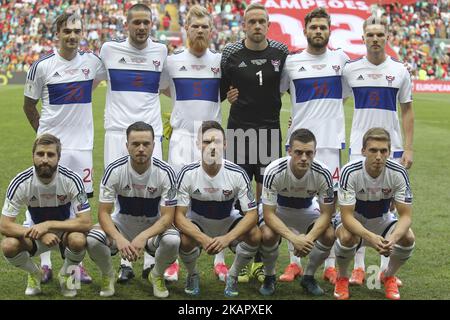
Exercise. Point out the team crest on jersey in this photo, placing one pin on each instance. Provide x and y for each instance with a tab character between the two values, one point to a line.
157	64
337	69
152	190
375	76
319	66
61	197
215	70
198	67
276	65
227	193
259	62
390	79
86	73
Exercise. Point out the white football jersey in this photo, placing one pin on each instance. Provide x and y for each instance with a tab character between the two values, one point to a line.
316	95
65	88
282	188
214	197
372	196
194	87
139	195
133	84
376	90
58	200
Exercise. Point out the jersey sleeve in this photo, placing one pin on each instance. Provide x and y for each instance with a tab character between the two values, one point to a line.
285	79
183	190
35	81
346	192
169	192
325	188
269	192
403	191
14	201
79	199
405	92
245	193
108	187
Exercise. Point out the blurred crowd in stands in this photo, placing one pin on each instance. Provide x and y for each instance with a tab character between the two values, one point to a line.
420	33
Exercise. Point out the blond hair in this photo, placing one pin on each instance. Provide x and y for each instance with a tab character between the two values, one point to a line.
198	12
373	20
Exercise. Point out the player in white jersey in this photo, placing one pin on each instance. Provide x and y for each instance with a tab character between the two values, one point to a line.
313	78
60	217
367	187
64	81
144	188
291	210
134	67
192	79
205	214
378	83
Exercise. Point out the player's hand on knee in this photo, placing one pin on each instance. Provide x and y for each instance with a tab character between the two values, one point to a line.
37	231
50	239
217	245
303	245
380	244
126	249
139	244
232	95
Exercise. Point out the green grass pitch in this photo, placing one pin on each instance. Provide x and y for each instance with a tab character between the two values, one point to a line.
425	276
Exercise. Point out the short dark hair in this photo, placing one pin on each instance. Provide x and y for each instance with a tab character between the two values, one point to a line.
140	126
302	135
47	139
317	13
64	17
206	125
138	7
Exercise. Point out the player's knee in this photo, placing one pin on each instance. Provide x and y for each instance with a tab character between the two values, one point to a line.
254	237
327	238
10	247
187	244
269	238
171	242
408	239
346	238
76	241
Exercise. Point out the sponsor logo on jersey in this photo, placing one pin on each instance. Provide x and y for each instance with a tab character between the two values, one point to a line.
157	64
259	62
57	75
61	197
33	198
47	196
301	69
227	193
318	66
215	70
198	67
276	65
211	190
362	191
337	69
373	190
139	186
122	60
183	68
86	72
197	191
152	190
360	77
374	76
390	79
138	59
242	65
71	71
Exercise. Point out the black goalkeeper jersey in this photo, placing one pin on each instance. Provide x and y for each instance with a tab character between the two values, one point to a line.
257	75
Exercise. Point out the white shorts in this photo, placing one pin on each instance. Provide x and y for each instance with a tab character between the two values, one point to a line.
183	149
332	159
79	161
130	227
115	146
299	220
212	227
396	156
381	226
